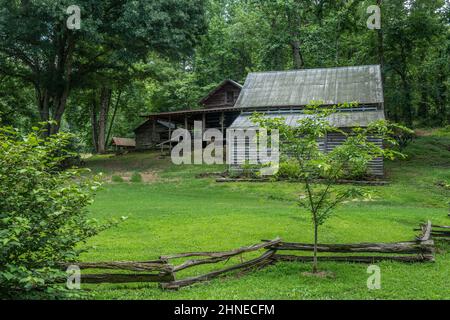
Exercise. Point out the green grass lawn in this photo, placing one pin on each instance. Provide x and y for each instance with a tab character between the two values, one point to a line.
174	212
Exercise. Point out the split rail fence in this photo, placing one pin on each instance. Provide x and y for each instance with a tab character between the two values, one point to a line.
421	249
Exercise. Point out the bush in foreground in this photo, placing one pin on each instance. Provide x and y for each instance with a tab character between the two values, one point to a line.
43	215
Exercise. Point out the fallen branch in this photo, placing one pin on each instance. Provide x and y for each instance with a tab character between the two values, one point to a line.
188	281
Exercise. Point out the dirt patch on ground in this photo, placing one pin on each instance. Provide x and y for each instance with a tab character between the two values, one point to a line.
147	176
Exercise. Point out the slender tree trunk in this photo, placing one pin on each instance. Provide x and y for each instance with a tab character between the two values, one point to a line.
116	106
422	111
94	122
441	96
316	237
105	98
407	110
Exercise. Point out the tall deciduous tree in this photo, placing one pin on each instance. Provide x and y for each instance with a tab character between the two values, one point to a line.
37	46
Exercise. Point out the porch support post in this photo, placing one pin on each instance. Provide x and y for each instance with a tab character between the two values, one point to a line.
170	132
153	137
203	123
222	120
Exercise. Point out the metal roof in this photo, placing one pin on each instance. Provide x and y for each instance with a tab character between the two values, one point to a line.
360	84
339	119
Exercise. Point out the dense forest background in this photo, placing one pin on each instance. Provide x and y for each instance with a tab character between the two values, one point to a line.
136	57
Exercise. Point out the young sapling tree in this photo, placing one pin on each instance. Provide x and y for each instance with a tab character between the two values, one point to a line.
319	170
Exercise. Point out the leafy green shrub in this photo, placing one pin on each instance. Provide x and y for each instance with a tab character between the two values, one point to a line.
136	177
116	178
289	170
250	170
43	216
403	136
70	154
445	131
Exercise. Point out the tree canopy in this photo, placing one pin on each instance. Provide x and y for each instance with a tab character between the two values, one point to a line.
165	55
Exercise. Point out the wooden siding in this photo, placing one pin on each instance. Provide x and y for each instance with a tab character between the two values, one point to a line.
241	153
147	138
219	98
376	166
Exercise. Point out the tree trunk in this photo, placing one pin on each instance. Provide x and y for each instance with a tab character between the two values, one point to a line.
316	227
59	103
422	111
105	98
441	96
297	55
52	97
44	109
407	110
116	106
94	123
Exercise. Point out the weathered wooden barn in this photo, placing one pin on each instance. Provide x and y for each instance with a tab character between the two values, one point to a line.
280	94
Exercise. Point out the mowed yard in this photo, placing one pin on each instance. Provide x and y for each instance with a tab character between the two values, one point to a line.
172	211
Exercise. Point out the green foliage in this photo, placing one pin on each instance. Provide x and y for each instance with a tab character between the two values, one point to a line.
116	178
403	136
444	132
136	177
249	170
289	170
113	37
43	216
170	62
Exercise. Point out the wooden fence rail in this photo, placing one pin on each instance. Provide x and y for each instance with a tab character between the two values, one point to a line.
162	271
442	232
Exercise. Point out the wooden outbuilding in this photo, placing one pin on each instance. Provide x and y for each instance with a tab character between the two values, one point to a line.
123	144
